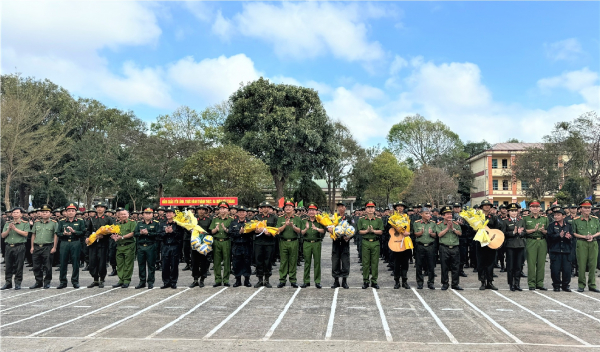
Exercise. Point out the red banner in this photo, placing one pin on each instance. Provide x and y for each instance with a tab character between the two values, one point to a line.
189	201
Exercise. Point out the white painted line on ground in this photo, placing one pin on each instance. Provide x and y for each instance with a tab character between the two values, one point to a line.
332	315
281	315
216	328
435	317
86	314
134	314
82	306
504	310
566	306
357	308
595	299
53	309
543	319
183	315
517	340
37	300
386	327
551	310
451	308
20	294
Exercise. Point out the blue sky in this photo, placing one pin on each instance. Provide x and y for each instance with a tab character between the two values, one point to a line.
492	70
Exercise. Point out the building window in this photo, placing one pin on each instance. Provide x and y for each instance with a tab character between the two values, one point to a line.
495	203
524	185
495	185
505	202
494	163
505	163
505	185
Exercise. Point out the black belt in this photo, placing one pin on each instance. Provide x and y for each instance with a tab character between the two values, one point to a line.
146	244
425	245
44	245
534	238
375	240
312	241
14	244
289	240
222	239
447	246
585	239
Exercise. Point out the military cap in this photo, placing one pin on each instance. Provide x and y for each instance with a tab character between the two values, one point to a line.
534	202
202	206
427	205
71	206
435	210
312	206
559	210
502	206
223	204
78	212
101	204
170	209
339	202
512	206
45	207
233	206
585	203
456	205
120	209
289	201
241	208
477	206
265	204
17	208
486	202
399	203
110	211
369	203
148	210
446	209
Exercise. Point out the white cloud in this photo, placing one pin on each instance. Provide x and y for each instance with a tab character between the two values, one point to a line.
566	50
222	27
308	29
213	79
576	81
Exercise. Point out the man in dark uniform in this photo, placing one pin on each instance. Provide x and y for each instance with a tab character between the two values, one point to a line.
172	236
15	234
340	251
371	229
200	262
112	247
449	232
463	245
85	250
146	233
560	239
187	247
486	256
161	217
572	215
70	230
43	247
514	242
501	252
98	251
264	245
241	249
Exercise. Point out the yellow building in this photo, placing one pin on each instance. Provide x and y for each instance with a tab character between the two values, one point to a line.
494	179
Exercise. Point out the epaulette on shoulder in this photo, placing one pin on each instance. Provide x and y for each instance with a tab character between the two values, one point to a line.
418	221
593	216
577	217
53	220
155	221
37	221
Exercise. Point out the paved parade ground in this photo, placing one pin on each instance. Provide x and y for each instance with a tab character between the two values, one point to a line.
298	319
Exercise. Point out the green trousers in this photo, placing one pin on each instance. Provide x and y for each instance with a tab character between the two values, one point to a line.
536	261
587	255
69	250
125	257
312	251
146	256
370	260
222	255
288	256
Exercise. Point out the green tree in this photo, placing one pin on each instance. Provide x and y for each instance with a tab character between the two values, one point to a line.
434	185
283	125
226	171
389	178
360	177
540	168
309	191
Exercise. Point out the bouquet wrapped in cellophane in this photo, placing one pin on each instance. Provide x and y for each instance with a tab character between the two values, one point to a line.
342	229
327	219
255	224
104	230
476	219
199	240
400	222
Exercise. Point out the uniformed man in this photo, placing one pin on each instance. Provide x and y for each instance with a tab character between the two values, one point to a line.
449	233
219	228
535	226
200	262
70	230
187	247
98	251
241	248
171	235
560	240
146	234
125	241
312	234
514	242
486	256
264	245
15	233
289	226
112	247
340	251
43	247
501	252
400	260
572	215
85	250
586	229
424	230
371	228
161	217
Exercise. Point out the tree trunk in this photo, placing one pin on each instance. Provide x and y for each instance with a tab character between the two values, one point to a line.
22	196
7	191
333	187
160	191
279	185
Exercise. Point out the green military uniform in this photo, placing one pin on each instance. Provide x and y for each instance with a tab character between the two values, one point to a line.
425	251
587	251
125	255
288	249
312	249
146	251
370	247
449	250
70	247
14	253
536	248
43	243
221	250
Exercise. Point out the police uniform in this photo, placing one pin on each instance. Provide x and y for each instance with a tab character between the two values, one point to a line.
288	245
98	251
537	248
425	233
370	246
587	250
449	249
200	263
219	228
560	239
241	250
486	256
70	247
340	255
44	244
312	234
170	250
125	254
146	249
14	252
514	242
